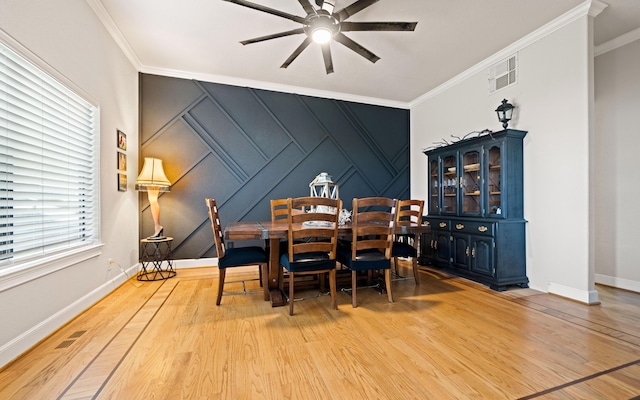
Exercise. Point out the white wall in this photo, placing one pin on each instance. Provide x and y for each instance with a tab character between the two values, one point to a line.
68	36
617	186
553	100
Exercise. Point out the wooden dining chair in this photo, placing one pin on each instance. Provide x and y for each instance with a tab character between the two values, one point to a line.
312	241
371	240
237	256
406	245
279	214
278	210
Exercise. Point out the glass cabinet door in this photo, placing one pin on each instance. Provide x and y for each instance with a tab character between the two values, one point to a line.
434	187
471	183
494	182
449	185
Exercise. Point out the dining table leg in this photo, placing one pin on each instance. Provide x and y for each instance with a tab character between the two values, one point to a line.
275	294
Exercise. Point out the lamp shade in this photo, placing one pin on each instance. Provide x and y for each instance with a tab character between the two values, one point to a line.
152	176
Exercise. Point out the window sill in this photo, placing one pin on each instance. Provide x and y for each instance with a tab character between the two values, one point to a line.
23	272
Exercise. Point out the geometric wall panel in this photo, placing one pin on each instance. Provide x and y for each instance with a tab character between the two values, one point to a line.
245	146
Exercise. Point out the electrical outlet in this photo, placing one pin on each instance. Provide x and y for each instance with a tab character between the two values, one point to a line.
110	261
109	264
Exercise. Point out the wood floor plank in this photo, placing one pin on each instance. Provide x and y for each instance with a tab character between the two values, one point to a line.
445	338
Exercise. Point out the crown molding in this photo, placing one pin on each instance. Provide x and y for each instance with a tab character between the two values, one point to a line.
276	87
112	28
558	23
617	42
596	8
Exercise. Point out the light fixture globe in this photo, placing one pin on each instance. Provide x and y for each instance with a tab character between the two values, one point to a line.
321	35
322	27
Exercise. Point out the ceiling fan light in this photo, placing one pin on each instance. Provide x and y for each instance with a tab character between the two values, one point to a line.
321	35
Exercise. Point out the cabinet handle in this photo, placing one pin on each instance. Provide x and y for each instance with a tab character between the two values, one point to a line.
466	252
443	224
459	226
473	252
483	228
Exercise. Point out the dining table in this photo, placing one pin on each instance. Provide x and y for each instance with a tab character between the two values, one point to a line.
274	231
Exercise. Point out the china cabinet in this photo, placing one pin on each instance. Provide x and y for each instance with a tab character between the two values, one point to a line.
475	209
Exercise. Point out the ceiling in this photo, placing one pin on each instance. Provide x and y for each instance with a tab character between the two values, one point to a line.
199	39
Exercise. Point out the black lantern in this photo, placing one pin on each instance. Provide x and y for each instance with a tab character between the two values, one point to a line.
505	112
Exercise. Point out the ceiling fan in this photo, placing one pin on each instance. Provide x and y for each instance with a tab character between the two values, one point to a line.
322	24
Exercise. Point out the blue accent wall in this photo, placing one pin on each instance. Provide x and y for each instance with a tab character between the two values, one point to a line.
245	146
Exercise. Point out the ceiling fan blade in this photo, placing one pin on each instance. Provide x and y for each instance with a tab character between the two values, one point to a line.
342	39
353	8
326	54
377	26
308	8
273	36
268	10
296	52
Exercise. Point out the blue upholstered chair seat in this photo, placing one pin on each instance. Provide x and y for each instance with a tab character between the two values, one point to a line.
366	260
307	262
405	250
243	256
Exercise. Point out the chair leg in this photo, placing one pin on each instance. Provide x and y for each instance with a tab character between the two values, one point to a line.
260	268
387	279
221	274
395	265
414	262
353	289
332	288
291	293
264	281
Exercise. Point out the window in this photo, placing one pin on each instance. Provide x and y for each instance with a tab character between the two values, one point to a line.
48	182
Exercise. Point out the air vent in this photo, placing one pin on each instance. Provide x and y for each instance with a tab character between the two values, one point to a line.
65	344
503	74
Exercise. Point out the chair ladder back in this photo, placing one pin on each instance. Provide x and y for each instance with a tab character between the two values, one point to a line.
278	210
218	236
315	230
410	211
373	219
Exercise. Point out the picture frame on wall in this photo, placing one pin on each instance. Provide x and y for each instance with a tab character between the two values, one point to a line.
122	161
122	182
122	140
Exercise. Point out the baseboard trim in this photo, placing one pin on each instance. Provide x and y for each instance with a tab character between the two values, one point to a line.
616	282
583	296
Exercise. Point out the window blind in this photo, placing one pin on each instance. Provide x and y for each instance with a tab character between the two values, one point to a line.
47	163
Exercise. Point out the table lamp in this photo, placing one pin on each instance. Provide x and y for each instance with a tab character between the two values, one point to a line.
153	180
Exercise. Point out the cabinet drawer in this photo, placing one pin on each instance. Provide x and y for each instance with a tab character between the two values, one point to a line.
473	227
439	224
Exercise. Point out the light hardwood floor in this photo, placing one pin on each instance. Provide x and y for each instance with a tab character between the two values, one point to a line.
446	338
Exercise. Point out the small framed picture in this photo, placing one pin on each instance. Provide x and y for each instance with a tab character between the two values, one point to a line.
122	161
122	182
122	140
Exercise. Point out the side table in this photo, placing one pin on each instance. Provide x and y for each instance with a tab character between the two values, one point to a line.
154	253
